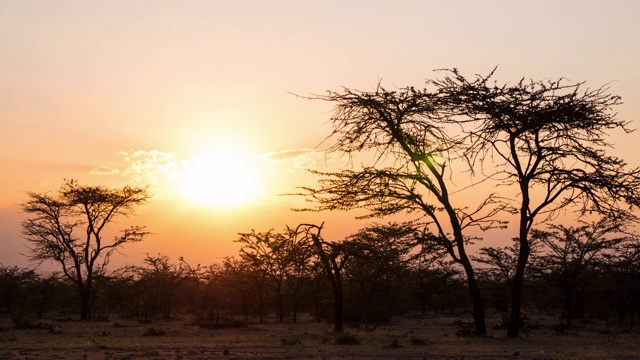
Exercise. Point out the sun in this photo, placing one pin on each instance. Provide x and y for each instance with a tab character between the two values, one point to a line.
224	178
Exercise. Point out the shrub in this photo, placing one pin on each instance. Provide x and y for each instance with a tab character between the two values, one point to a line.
152	331
347	339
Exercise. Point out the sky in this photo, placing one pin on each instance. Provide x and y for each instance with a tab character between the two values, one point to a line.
178	96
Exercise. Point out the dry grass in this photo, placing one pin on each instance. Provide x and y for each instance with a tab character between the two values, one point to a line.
425	338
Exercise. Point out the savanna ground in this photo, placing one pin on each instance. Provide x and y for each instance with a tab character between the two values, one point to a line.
417	338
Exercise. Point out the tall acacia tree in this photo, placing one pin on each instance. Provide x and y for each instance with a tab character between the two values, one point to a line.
67	228
547	139
408	172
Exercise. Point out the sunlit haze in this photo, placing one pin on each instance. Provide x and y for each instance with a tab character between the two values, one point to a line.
197	99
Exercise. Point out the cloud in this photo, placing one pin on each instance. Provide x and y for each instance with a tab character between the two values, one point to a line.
296	159
104	170
287	154
149	166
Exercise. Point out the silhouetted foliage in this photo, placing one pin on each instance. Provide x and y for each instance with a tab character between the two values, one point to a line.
548	140
333	256
67	228
114	293
17	286
281	258
156	287
620	282
569	252
410	171
438	285
378	272
235	283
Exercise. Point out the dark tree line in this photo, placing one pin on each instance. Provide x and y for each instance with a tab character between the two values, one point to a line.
379	272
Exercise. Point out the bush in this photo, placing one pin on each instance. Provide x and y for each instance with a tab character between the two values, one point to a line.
347	339
152	331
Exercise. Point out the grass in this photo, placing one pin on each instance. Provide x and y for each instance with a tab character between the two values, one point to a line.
429	337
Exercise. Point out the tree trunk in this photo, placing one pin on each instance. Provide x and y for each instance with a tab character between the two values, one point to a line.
568	309
295	311
476	298
85	303
245	307
474	290
261	305
516	291
280	306
338	305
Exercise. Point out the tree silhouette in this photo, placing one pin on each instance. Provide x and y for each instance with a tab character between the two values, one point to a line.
409	173
278	255
621	270
158	285
570	251
379	268
502	260
16	284
548	140
234	276
67	228
333	257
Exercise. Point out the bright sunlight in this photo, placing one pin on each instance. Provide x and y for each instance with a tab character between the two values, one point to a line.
221	179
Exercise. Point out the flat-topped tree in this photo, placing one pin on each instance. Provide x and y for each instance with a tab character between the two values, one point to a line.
280	257
67	228
570	251
408	171
546	139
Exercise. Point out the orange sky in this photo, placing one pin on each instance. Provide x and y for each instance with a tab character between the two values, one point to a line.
139	92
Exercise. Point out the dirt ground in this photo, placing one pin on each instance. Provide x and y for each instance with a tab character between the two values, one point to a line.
423	338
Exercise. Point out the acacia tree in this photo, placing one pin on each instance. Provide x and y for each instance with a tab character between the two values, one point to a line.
435	280
234	276
502	260
408	173
300	269
333	256
16	286
570	251
67	228
278	255
380	262
548	140
621	269
159	281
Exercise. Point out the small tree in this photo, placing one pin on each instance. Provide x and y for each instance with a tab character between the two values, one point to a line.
621	270
502	260
158	284
234	276
379	268
67	228
436	281
300	270
333	257
273	253
571	251
17	287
